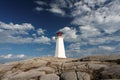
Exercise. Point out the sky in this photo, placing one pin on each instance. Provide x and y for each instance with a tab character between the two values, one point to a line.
28	28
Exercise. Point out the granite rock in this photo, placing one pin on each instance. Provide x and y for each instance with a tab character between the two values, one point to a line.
51	68
49	77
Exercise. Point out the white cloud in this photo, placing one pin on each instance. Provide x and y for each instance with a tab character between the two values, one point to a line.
11	56
40	31
74	46
89	31
6	56
94	2
42	39
1	30
96	41
100	50
80	9
57	11
34	35
56	6
112	18
21	33
64	3
40	3
69	33
103	17
103	40
39	9
107	48
11	26
20	56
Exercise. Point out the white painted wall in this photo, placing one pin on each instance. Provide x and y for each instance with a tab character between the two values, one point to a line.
60	50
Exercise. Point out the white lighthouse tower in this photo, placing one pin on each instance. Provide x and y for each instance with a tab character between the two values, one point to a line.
60	50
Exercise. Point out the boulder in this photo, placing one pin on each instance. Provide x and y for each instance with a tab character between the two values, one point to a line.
47	70
5	68
68	76
83	76
94	66
69	66
112	72
23	75
32	64
10	74
49	77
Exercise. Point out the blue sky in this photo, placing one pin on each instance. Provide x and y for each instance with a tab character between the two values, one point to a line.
28	27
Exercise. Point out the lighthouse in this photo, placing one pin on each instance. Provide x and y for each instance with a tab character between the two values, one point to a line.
60	50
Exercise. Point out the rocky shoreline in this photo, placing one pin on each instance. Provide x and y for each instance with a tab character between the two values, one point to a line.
51	68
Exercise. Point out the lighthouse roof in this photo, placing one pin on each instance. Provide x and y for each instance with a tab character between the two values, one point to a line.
59	33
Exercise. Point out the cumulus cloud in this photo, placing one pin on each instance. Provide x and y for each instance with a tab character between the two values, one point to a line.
74	46
89	31
21	33
69	33
11	26
105	16
42	39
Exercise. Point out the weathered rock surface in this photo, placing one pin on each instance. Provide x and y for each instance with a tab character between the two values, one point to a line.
83	76
51	68
69	76
111	72
49	77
